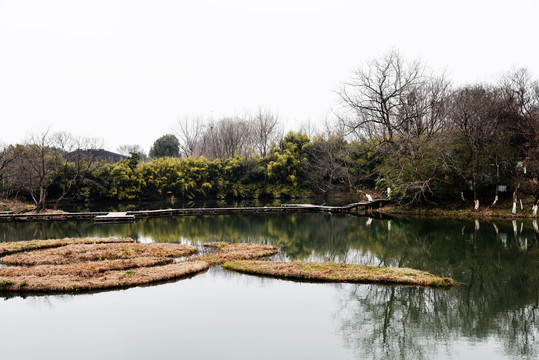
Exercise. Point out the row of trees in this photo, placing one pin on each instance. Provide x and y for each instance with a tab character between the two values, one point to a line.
434	141
249	135
252	134
286	171
400	129
46	160
44	167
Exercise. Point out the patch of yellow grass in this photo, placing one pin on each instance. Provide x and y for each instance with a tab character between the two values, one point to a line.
86	269
232	251
75	253
323	271
70	265
19	246
103	280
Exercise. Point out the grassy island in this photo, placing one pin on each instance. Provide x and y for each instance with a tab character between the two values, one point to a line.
70	265
332	272
20	246
241	251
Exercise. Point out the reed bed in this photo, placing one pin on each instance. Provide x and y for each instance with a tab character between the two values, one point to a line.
20	246
75	253
332	272
236	251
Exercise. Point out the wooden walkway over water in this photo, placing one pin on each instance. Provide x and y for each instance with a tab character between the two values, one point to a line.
355	208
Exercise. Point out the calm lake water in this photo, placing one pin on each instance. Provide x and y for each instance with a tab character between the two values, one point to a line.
221	314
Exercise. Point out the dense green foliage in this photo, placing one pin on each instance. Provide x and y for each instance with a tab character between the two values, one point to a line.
166	145
280	174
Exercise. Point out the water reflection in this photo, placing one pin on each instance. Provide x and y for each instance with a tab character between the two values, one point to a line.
497	262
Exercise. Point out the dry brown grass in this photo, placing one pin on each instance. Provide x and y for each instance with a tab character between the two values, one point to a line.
19	246
75	253
70	265
340	273
101	281
231	251
86	269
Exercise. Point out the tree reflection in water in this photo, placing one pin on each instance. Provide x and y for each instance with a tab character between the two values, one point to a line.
496	262
499	298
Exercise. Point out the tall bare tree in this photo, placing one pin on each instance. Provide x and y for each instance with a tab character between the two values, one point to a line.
190	133
399	109
46	158
128	149
265	130
74	162
327	169
226	138
34	165
477	116
374	98
521	92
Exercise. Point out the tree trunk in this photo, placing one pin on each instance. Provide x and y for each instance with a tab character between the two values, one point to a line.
497	181
65	191
475	199
515	195
42	198
57	203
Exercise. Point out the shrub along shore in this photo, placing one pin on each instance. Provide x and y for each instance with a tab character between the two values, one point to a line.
71	265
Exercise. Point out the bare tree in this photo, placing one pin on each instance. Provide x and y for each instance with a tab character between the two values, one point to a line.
74	162
422	111
33	166
128	149
190	133
477	115
399	109
46	158
265	131
332	127
521	93
309	128
373	100
327	168
226	138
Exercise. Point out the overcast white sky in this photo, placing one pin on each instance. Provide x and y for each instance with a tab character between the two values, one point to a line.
126	70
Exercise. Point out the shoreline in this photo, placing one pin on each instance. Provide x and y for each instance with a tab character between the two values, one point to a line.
463	213
354	209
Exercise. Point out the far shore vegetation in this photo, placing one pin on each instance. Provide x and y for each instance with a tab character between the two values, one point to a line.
400	131
71	265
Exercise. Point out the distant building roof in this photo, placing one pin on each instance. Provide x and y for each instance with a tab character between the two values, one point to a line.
99	154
